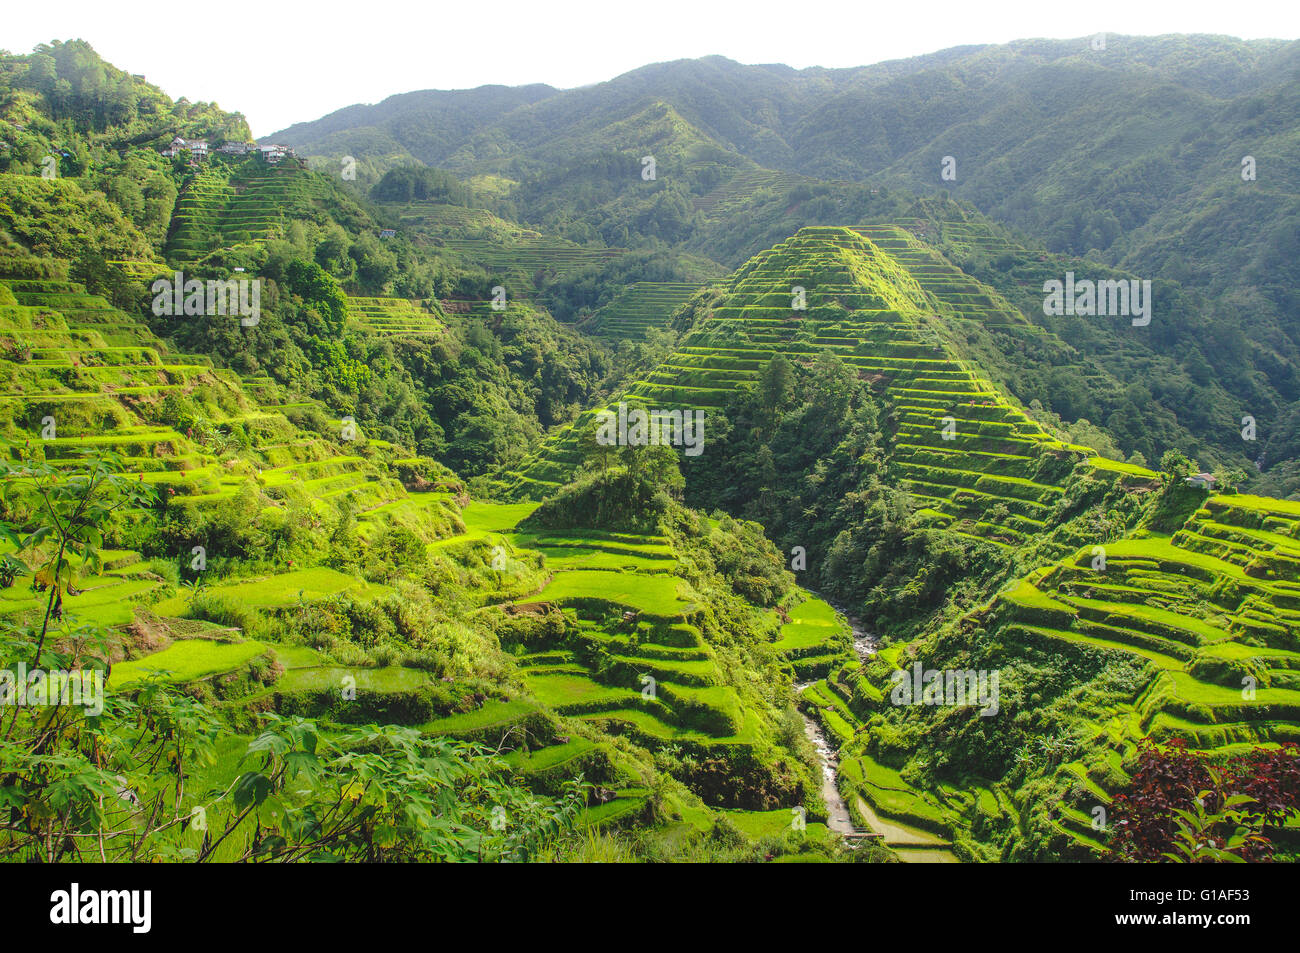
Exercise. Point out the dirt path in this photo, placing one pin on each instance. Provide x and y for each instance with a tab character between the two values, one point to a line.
913	845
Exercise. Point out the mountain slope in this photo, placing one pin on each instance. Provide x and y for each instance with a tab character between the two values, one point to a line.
293	564
1130	156
1116	603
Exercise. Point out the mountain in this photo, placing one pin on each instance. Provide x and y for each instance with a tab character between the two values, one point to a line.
380	560
1129	157
411	124
1116	604
234	525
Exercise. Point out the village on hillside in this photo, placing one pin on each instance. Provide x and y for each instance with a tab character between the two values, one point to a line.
199	149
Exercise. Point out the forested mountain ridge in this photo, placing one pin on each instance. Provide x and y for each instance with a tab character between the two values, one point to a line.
1128	156
235	524
373	525
768	112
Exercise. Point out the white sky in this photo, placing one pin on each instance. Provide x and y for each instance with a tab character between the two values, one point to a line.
284	62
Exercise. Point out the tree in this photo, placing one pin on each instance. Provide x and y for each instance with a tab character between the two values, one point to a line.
776	385
1175	463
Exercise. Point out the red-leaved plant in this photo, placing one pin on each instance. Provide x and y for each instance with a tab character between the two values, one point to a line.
1181	806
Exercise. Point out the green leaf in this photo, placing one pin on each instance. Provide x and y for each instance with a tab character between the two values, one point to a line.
251	788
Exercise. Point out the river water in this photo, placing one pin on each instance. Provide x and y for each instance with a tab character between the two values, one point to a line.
838	817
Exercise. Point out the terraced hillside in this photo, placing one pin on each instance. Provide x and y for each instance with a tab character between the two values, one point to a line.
617	669
435	222
740	188
629	660
975	462
229	204
1181	619
58	363
520	262
397	317
1204	622
104	380
959	296
481	307
638	307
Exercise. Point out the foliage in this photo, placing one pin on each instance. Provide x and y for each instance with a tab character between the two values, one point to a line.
1180	806
65	515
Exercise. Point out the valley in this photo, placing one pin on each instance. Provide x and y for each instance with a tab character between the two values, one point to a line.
366	580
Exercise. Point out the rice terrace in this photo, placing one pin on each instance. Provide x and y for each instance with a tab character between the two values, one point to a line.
810	463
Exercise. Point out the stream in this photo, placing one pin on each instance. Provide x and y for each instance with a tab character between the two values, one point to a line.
911	844
838	817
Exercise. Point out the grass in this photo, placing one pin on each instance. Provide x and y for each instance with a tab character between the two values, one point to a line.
1203	631
759	824
545	758
297	656
289	588
108	604
654	595
493	712
186	660
647	723
482	518
1202	693
599	552
812	623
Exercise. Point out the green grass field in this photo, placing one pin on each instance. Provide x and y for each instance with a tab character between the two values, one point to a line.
654	595
186	661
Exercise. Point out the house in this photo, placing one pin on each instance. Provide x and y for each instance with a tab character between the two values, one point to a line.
273	154
236	148
388	233
197	148
1203	480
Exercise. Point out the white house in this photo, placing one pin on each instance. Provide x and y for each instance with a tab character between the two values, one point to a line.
1205	480
197	148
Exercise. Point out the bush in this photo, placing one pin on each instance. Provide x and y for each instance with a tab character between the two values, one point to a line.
226	610
614	500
